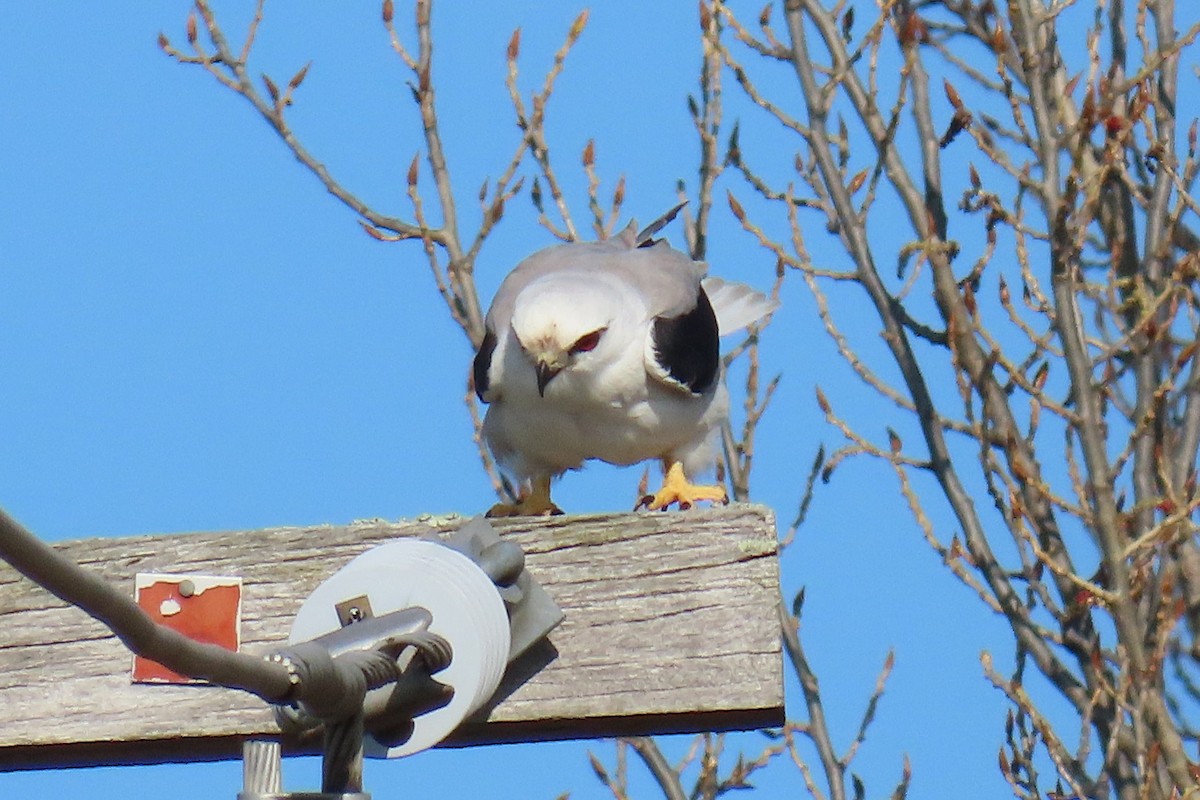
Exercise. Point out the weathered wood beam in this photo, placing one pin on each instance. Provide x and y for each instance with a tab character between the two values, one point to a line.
671	625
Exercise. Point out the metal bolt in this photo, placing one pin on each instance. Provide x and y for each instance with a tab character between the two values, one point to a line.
356	609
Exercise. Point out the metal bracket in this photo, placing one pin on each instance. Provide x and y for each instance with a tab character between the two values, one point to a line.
356	609
387	712
532	614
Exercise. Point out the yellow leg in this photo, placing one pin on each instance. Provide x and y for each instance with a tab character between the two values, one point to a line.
534	503
677	489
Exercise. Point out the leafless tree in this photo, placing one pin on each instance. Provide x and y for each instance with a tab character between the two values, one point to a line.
1062	311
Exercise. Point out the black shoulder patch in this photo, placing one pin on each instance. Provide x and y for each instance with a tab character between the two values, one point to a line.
483	361
688	347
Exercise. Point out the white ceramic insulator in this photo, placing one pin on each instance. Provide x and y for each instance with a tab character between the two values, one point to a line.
466	608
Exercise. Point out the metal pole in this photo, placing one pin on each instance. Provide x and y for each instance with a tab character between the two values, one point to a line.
262	773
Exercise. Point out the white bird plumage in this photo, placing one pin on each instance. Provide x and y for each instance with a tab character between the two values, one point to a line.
608	350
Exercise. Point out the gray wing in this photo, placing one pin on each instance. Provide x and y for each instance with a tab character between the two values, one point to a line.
481	368
684	349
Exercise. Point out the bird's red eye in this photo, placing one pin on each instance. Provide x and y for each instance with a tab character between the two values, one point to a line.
587	342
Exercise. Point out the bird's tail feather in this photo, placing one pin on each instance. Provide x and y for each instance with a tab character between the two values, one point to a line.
736	304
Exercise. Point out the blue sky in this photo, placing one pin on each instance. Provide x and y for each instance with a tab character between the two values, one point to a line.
196	336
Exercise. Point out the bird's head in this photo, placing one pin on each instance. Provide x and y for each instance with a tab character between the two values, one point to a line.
559	325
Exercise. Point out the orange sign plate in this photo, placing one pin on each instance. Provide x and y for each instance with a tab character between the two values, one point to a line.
205	608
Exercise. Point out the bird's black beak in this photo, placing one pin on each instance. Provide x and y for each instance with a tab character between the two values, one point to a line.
544	373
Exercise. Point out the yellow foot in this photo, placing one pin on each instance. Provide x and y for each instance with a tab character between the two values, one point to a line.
677	489
534	503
